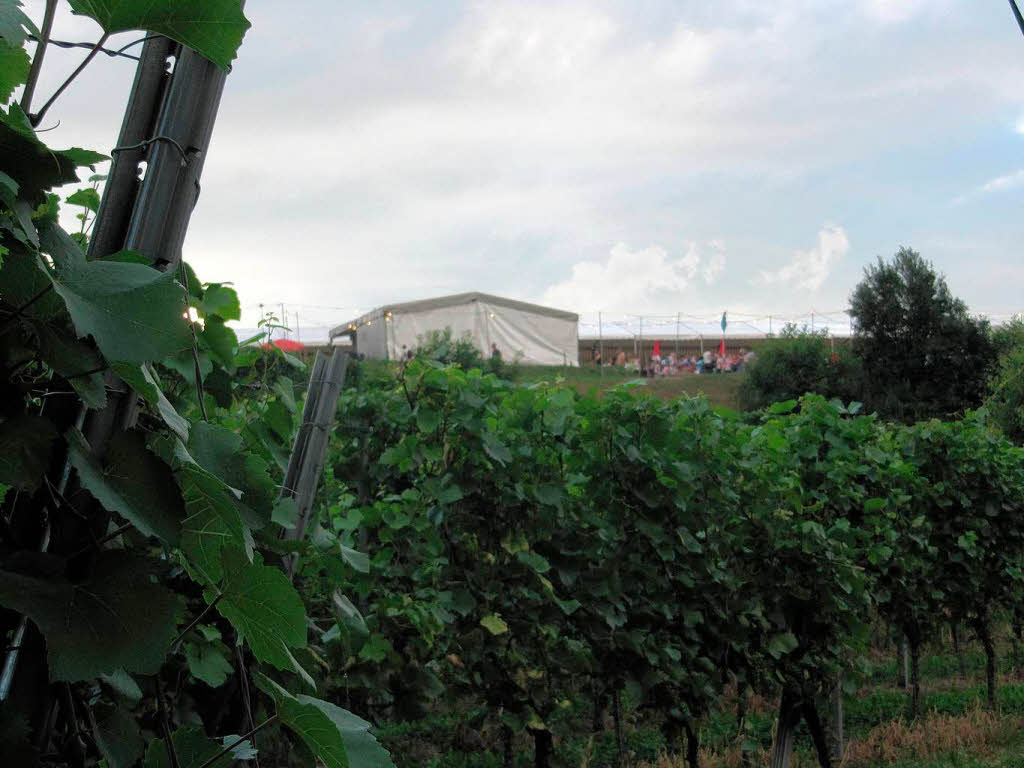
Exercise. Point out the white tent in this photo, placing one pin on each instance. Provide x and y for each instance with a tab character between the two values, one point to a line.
525	332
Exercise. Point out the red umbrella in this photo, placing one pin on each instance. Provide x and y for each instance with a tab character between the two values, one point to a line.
289	345
657	348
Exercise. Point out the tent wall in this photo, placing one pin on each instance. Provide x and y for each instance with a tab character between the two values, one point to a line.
528	337
371	340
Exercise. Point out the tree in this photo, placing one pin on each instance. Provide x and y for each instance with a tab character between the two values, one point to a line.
1006	398
923	354
798	363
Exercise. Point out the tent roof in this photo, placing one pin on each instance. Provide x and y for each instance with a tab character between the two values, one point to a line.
454	300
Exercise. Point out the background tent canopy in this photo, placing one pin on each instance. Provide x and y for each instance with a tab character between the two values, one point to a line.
521	331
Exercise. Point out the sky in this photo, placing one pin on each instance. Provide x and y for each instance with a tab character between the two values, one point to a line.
634	157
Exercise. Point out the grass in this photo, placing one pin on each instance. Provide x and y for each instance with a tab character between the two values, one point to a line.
721	389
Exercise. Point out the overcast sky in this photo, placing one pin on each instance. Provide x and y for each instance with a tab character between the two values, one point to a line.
642	156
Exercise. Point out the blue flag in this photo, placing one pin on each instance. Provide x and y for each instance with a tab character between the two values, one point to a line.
724	322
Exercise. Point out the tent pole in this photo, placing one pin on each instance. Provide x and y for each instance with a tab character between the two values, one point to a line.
642	366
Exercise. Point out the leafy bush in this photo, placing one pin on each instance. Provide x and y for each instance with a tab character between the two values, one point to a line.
797	363
440	347
1006	388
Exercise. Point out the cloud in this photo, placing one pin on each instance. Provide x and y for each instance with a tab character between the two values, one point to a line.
642	280
998	184
493	145
716	264
892	11
809	269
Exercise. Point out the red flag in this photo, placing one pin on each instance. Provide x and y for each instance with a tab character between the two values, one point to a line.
721	347
657	348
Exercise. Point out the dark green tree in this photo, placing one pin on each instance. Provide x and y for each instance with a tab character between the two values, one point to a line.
923	354
797	363
1006	397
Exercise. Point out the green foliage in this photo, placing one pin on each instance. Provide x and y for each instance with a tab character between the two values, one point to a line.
213	28
132	482
263	607
126	517
797	363
525	539
332	734
26	442
442	348
923	354
132	311
14	65
118	619
1006	388
192	749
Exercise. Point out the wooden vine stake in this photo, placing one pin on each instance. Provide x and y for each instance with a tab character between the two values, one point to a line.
785	730
306	463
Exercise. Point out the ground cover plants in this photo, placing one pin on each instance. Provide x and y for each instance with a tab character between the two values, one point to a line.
538	559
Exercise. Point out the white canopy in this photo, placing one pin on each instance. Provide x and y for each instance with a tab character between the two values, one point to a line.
525	332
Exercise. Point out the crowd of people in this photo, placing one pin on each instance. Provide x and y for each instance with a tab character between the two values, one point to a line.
671	365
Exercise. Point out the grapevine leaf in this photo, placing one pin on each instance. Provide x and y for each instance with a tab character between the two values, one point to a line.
218	450
364	751
14	24
262	606
87	197
494	624
336	737
376	648
191	747
143	380
221	341
243	750
212	522
59	244
119	739
352	629
124	684
534	561
14	65
207	662
285	391
285	512
782	643
83	157
132	482
118	619
25	446
496	449
76	361
133	312
359	561
28	161
23	279
213	28
221	301
183	363
19	222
